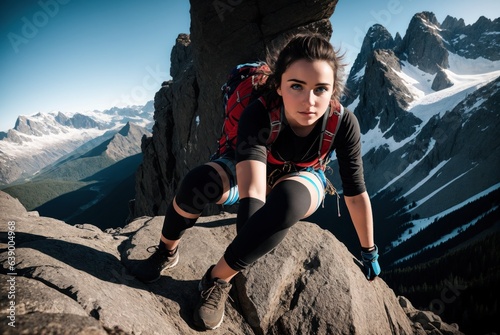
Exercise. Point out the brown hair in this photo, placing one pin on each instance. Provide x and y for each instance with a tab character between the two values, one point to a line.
310	47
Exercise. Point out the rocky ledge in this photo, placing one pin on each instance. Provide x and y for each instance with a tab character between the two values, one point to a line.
73	280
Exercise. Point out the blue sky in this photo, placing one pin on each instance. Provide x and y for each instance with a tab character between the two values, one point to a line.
79	55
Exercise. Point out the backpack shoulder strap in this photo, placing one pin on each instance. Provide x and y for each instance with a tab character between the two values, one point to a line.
331	124
275	116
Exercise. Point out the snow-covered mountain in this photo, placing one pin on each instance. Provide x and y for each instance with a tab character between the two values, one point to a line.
82	186
428	107
39	140
104	175
450	160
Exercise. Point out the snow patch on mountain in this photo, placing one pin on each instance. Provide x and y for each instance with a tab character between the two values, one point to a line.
420	224
32	145
417	81
117	117
431	174
448	236
409	167
430	195
466	74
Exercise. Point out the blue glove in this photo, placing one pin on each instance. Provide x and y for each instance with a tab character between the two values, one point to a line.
370	263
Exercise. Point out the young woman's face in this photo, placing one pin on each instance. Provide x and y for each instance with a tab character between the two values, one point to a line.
306	88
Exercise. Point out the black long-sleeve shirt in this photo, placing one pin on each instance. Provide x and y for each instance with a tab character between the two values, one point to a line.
254	128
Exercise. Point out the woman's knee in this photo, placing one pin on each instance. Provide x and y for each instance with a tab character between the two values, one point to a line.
312	190
226	169
202	185
289	201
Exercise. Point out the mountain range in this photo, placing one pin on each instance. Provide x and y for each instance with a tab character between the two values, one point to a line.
431	145
42	139
84	163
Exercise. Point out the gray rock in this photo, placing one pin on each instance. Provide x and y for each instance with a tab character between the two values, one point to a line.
377	37
441	81
57	324
472	41
74	280
37	297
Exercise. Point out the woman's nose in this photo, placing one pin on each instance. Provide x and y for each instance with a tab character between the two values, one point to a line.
310	98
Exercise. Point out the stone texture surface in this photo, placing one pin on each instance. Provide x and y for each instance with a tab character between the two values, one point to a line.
423	46
377	37
74	280
441	81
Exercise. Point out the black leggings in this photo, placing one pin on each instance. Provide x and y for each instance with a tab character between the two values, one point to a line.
201	186
287	203
261	226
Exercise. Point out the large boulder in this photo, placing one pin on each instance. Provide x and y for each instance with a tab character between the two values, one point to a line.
64	279
441	81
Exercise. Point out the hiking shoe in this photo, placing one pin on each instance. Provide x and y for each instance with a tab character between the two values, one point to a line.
149	270
209	312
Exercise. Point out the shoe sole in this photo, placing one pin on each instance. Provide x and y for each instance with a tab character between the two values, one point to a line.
202	325
220	322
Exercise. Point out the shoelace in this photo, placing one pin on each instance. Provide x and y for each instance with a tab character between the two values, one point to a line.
218	292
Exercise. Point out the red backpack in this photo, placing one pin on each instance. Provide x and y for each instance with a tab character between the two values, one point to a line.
241	88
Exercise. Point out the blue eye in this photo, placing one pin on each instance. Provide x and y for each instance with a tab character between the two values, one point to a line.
321	89
296	87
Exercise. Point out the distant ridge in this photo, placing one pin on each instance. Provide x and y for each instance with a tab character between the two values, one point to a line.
39	140
72	189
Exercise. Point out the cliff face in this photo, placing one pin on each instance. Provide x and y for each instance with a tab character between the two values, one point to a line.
74	280
188	109
377	37
385	107
422	44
